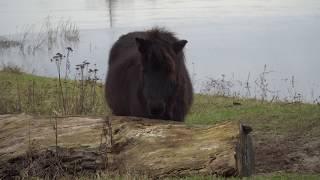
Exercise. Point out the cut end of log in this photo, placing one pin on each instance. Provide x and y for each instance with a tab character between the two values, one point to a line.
123	144
245	152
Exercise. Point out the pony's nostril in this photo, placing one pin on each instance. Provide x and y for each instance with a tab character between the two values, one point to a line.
156	108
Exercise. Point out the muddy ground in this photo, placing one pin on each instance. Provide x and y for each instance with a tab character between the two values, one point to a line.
295	153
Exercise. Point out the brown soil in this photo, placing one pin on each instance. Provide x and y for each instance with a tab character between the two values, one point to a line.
287	154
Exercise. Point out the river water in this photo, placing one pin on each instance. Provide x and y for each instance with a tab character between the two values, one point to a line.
227	39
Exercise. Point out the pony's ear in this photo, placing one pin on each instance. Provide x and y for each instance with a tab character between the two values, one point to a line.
179	45
142	44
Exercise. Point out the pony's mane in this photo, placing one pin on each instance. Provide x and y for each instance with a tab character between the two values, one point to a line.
162	40
160	34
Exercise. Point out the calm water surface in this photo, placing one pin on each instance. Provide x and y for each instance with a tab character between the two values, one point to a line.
228	37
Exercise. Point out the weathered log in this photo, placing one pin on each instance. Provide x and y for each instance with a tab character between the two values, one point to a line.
40	146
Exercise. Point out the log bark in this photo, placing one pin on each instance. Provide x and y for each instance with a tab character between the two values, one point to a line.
51	147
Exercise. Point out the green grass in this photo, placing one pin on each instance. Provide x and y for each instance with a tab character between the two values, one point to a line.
20	92
42	94
277	117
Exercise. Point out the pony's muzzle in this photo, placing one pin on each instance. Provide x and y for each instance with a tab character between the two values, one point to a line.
156	108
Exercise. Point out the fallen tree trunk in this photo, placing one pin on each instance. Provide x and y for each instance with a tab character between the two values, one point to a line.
50	147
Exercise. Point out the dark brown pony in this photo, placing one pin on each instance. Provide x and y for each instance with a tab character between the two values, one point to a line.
147	76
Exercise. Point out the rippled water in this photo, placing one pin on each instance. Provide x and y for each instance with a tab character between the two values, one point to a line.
228	37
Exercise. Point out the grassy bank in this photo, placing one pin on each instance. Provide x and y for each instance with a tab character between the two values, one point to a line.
27	93
20	92
286	135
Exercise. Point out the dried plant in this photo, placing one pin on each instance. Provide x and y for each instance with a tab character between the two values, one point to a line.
57	59
218	87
